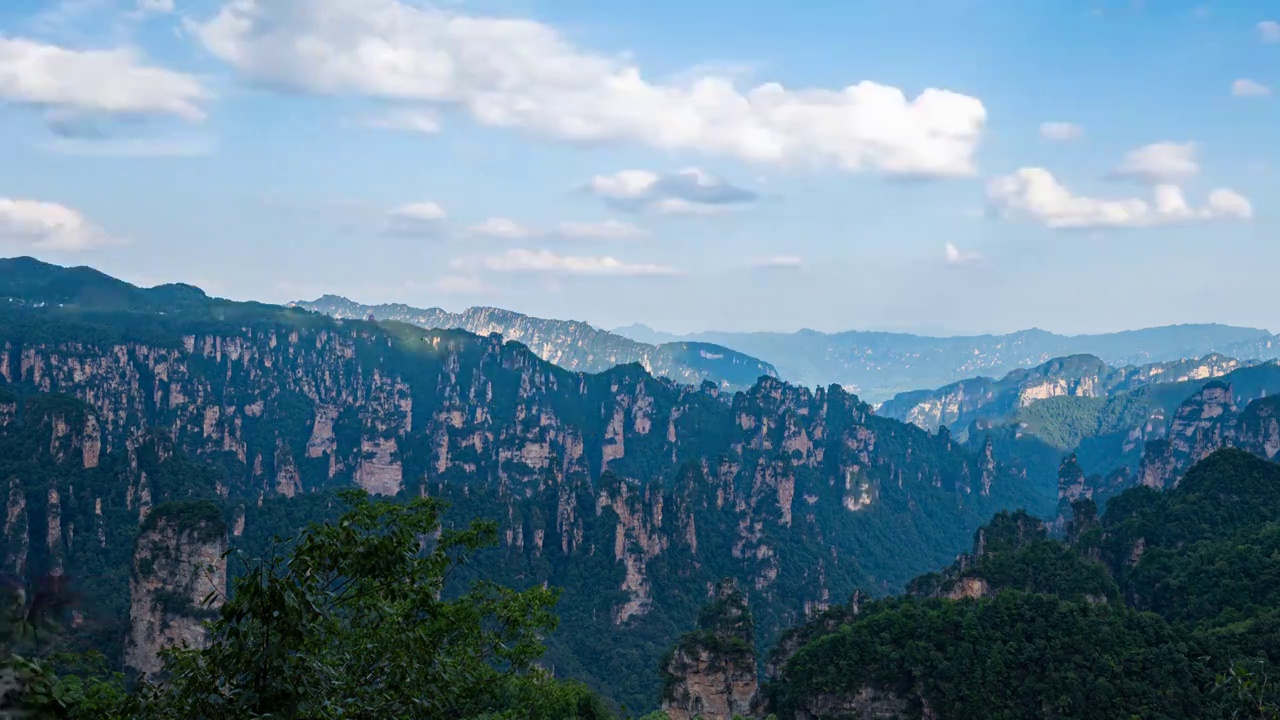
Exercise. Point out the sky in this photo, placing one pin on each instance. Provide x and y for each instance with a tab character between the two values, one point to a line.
934	166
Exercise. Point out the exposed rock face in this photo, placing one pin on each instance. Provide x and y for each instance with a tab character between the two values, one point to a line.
1208	422
712	672
960	404
642	485
178	563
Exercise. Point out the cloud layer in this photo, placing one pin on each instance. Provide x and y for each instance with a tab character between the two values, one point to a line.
687	192
1034	193
47	226
95	81
524	74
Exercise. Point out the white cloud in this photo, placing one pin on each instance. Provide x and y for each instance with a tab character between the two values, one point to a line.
420	120
546	261
1269	30
502	229
95	81
1162	162
1249	88
602	230
156	6
524	74
1035	194
778	261
420	218
48	226
689	191
1060	131
956	256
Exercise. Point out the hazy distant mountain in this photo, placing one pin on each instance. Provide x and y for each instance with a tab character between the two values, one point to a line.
570	344
879	365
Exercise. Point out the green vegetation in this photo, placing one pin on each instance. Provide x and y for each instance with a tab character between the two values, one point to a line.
1181	623
350	622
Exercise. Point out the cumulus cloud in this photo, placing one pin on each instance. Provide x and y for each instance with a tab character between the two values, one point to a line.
957	256
546	261
689	191
778	261
421	121
1035	194
420	219
95	81
502	229
1269	30
47	226
524	74
1162	162
1249	88
1060	131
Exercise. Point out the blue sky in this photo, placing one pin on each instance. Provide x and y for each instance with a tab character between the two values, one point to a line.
944	166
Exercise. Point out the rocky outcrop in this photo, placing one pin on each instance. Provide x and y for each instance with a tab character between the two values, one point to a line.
619	486
1207	422
712	671
960	404
179	580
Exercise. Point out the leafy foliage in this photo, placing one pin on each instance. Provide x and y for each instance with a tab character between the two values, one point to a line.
353	622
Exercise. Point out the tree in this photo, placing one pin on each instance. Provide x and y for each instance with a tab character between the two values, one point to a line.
356	620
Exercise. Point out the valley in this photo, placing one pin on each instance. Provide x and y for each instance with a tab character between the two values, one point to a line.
147	431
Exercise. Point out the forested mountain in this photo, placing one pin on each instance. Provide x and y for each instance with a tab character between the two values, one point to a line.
879	365
981	398
568	343
1166	607
1150	434
632	493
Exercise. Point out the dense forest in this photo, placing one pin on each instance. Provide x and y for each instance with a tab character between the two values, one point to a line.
1165	607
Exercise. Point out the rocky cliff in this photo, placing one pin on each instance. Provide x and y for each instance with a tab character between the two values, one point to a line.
179	581
619	487
570	344
960	404
711	673
1205	423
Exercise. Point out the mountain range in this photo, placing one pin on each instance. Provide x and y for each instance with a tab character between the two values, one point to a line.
146	433
632	493
570	344
879	365
981	398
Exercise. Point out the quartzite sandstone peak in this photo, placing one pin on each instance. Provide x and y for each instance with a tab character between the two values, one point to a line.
619	487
